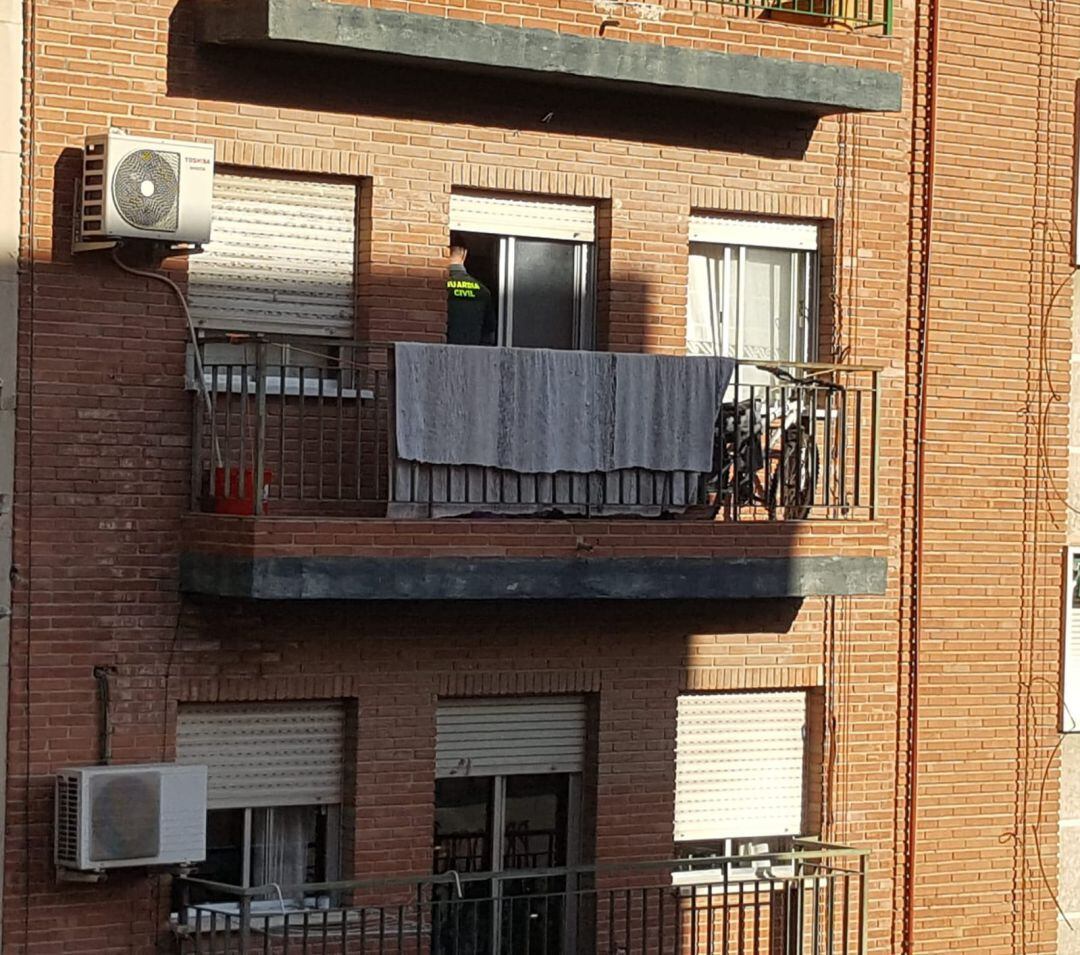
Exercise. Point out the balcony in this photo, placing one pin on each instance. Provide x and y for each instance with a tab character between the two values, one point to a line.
810	900
464	45
756	491
872	15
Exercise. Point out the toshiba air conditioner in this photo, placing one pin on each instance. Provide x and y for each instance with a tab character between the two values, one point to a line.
134	187
110	817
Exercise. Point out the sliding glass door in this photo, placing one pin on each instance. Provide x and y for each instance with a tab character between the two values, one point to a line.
543	288
536	255
751	303
506	825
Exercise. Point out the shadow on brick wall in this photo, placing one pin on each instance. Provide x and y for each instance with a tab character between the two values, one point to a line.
468	626
392	90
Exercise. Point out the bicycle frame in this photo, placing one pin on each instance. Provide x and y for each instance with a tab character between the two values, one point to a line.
767	445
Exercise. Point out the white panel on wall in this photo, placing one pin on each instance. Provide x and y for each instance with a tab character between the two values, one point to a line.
510	735
265	754
281	258
763	233
740	761
526	217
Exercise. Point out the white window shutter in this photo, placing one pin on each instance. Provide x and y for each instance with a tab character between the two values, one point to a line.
265	754
740	762
281	258
1070	716
509	736
528	218
763	233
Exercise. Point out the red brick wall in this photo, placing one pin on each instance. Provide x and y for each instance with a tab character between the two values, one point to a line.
103	444
995	444
104	433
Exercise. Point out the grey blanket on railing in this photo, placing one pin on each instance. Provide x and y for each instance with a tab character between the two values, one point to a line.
541	411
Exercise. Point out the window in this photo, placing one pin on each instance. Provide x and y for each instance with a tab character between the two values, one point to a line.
753	290
536	256
285	845
740	773
281	257
274	790
508	799
1070	695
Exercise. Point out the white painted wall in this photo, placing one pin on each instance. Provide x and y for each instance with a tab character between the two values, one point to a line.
1069	812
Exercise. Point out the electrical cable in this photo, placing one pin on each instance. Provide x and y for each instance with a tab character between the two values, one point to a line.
1043	299
200	374
182	299
919	477
1042	794
200	377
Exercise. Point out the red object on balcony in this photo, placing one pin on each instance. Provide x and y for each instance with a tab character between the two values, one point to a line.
230	498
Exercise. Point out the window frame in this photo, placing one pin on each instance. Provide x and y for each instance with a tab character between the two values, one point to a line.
242	326
507	226
497	774
1070	643
734	237
730	845
584	290
309	742
331	833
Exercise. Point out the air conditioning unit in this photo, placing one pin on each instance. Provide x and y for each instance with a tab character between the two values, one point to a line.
110	817
134	187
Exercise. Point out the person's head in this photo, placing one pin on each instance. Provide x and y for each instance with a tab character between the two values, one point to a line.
458	252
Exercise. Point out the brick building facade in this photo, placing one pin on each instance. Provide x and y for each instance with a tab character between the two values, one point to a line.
932	155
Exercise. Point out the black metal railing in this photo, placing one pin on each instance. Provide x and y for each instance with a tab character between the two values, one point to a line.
810	901
307	417
845	14
303	427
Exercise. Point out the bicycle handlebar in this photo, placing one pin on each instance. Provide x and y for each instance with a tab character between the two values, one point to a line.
787	376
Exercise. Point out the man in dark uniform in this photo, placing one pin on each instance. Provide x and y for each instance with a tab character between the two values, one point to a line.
470	311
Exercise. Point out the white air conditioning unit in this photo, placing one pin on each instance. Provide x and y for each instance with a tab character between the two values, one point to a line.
134	187
110	817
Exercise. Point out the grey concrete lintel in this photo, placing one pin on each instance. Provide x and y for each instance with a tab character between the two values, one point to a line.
550	578
341	28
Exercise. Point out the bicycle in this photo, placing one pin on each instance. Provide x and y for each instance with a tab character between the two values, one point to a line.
765	450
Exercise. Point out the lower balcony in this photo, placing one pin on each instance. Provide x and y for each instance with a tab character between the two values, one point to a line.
416	471
809	900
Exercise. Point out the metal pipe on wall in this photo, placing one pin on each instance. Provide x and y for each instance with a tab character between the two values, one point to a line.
926	229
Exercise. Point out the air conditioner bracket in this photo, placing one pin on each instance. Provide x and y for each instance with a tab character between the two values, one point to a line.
74	875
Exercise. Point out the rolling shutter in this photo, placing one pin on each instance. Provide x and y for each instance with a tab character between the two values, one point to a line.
529	218
265	754
510	736
1070	716
281	258
739	765
762	233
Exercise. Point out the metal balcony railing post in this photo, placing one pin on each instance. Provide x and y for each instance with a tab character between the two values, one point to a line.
258	488
185	902
863	904
245	923
737	477
390	386
888	17
198	409
875	440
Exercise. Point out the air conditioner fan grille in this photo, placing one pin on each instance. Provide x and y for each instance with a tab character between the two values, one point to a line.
146	189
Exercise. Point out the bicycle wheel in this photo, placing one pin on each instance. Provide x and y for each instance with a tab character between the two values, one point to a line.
737	455
793	482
